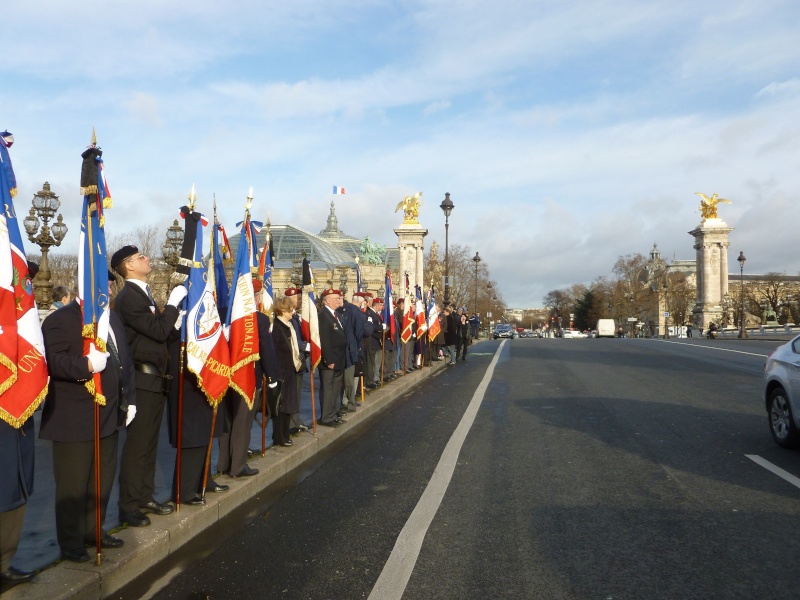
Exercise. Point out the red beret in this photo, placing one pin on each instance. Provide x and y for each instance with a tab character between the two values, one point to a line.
330	291
257	285
378	301
292	291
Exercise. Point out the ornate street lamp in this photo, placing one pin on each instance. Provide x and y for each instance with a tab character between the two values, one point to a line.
447	208
742	328
171	250
476	260
343	283
45	204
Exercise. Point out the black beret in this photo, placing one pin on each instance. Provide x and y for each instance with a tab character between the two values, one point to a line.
123	253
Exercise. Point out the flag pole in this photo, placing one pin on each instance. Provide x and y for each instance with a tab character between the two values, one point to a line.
263	416
95	377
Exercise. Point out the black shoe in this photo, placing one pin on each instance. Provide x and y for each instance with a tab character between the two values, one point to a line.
340	421
287	443
213	486
253	453
156	508
14	575
348	408
334	423
371	386
107	541
246	472
134	519
77	556
196	501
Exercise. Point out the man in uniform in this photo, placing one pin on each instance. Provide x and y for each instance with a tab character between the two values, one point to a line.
373	344
333	342
68	420
356	326
148	329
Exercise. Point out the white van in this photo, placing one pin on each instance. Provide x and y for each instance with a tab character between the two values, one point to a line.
606	328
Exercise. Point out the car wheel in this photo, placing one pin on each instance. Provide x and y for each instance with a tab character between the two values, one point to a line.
781	420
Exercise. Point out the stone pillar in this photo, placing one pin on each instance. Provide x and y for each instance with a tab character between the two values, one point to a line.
711	244
410	242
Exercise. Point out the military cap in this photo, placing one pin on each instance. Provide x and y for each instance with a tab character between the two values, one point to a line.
257	285
330	291
292	291
122	254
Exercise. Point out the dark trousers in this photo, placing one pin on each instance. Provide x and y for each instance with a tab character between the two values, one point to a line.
461	347
193	462
295	420
233	444
369	364
137	469
73	468
330	390
10	531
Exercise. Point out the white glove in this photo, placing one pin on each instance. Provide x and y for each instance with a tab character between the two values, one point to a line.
130	415
273	385
308	347
97	359
385	327
177	295
179	322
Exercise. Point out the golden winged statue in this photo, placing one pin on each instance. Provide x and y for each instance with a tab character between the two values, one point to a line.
708	206
410	206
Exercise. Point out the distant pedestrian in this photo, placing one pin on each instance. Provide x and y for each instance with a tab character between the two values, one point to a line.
689	330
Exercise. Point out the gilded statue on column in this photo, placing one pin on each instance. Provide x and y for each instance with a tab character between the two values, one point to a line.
410	206
708	206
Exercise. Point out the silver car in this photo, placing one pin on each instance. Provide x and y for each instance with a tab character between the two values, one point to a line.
782	393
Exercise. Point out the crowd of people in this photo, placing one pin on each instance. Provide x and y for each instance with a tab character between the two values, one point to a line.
142	379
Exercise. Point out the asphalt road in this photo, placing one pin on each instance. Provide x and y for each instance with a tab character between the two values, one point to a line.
608	469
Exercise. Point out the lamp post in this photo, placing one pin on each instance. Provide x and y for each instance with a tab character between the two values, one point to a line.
742	328
171	250
343	283
447	208
666	303
476	260
45	204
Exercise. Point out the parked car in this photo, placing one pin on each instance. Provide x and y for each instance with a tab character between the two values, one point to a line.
574	333
503	331
782	393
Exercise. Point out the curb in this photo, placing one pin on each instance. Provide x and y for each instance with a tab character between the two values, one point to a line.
145	547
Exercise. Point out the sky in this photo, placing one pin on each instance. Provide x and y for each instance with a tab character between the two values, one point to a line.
567	133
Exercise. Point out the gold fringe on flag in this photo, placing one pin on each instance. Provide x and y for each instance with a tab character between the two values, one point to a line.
19	422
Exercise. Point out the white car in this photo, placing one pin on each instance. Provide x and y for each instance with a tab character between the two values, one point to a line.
782	393
574	333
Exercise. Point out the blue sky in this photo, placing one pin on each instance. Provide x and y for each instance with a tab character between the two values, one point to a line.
568	133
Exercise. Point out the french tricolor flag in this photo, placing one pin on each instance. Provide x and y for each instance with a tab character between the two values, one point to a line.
338	190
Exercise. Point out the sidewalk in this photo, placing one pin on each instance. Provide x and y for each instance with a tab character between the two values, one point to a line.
146	546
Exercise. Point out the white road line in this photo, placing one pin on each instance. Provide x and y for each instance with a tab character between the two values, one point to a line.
396	572
712	348
795	481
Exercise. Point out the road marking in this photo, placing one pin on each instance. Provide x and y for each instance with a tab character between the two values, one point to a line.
396	572
795	481
712	348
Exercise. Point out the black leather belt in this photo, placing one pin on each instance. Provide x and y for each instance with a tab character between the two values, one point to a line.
148	369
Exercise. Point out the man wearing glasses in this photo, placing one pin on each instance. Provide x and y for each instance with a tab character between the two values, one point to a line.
148	329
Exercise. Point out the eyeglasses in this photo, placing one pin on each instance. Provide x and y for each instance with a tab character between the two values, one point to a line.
133	258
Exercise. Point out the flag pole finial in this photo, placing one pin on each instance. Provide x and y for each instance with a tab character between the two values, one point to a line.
248	205
94	137
192	198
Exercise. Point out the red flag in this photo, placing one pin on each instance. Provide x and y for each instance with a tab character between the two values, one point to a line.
309	319
242	320
23	370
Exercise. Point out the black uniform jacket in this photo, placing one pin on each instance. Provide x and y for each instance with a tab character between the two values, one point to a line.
267	363
68	414
333	340
148	329
282	338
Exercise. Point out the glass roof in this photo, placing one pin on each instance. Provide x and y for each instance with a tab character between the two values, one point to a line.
289	243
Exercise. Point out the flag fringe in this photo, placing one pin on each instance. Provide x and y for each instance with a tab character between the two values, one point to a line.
17	422
8	364
214	402
89	190
99	398
13	192
108	202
